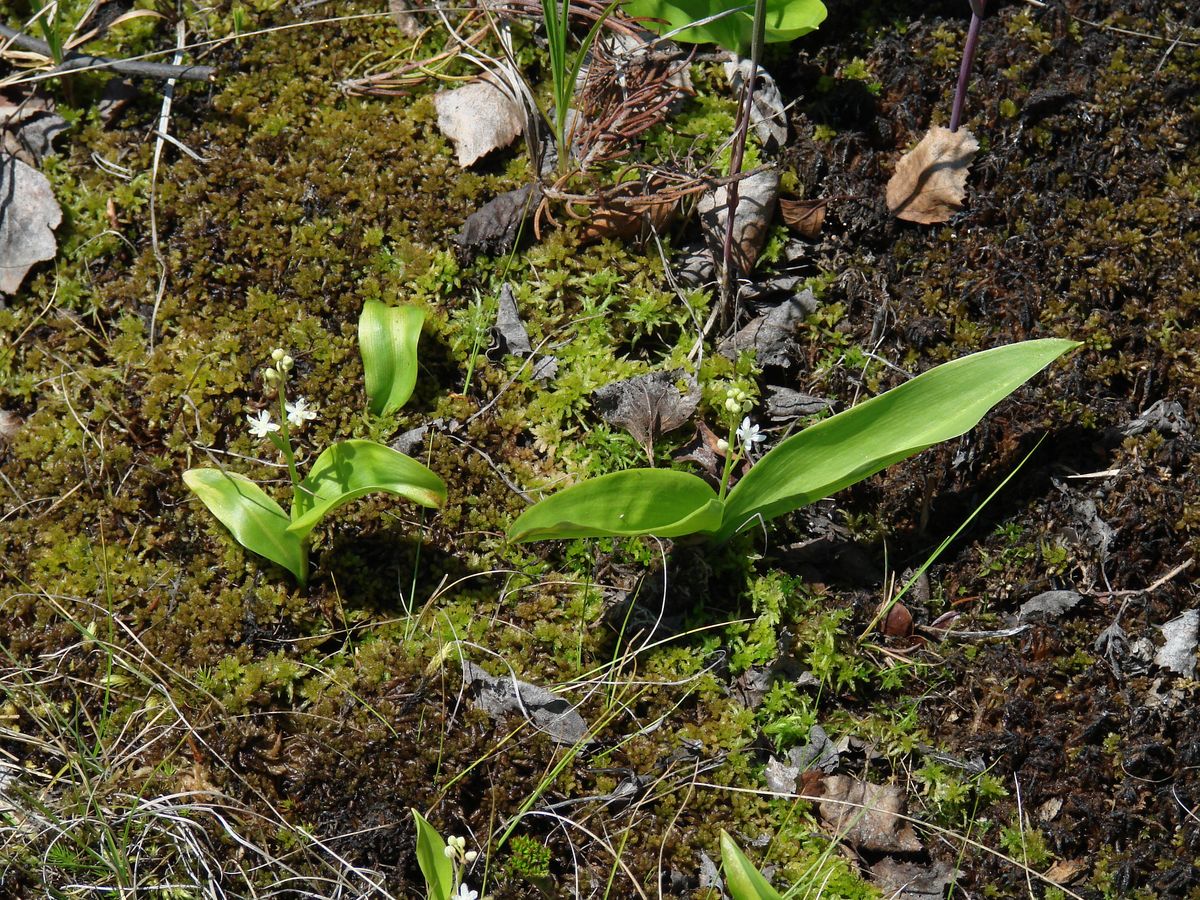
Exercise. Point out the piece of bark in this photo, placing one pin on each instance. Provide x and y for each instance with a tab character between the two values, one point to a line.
930	181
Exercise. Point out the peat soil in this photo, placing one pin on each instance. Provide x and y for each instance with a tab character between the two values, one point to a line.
1082	221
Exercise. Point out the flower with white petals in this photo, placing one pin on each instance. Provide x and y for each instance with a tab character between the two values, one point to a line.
299	412
748	434
465	893
261	425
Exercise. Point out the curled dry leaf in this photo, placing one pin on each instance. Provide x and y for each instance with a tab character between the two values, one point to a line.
805	217
930	181
898	622
28	216
478	118
1178	652
505	695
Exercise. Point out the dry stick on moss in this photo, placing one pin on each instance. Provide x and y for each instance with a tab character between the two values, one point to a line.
737	153
136	68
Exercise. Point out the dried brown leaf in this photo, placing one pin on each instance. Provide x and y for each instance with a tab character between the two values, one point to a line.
867	816
930	181
648	405
805	217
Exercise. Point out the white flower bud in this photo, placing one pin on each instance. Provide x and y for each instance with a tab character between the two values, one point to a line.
277	354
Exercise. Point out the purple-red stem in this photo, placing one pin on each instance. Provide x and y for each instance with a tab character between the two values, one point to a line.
968	61
736	156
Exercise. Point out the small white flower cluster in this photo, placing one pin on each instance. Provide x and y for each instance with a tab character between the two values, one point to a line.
749	434
738	401
298	411
456	849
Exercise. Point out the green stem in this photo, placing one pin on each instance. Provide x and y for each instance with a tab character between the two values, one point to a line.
288	453
730	459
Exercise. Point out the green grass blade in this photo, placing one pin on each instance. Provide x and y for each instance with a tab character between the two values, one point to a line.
431	857
353	469
387	339
661	502
256	521
744	881
936	406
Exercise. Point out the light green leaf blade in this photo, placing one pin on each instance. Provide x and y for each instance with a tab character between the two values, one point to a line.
936	406
744	881
353	469
785	19
387	339
256	521
661	502
431	857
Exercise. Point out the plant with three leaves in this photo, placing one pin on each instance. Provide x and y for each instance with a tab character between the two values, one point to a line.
344	471
837	452
728	23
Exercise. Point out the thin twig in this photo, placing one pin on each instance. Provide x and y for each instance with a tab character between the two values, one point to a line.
136	68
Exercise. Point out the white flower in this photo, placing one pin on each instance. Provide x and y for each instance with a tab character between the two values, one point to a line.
300	412
748	433
261	425
465	893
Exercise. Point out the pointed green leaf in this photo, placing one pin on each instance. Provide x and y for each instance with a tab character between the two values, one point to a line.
256	521
387	339
352	469
744	881
661	502
936	406
431	857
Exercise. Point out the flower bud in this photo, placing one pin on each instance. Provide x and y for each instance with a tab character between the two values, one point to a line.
286	364
277	354
471	856
270	376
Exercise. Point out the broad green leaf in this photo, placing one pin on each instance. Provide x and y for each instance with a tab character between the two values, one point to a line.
936	406
256	521
785	19
744	881
661	502
431	857
353	469
387	339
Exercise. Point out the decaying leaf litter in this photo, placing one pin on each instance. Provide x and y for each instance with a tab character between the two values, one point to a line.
1077	219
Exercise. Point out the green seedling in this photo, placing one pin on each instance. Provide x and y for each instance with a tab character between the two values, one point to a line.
936	406
728	23
743	880
565	69
344	471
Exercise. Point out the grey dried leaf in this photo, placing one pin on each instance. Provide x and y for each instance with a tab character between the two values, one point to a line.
912	881
509	329
771	336
1167	417
1048	605
818	753
493	228
648	405
867	816
10	424
499	696
29	128
405	19
930	181
478	118
1178	652
781	777
28	216
757	195
784	404
767	115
